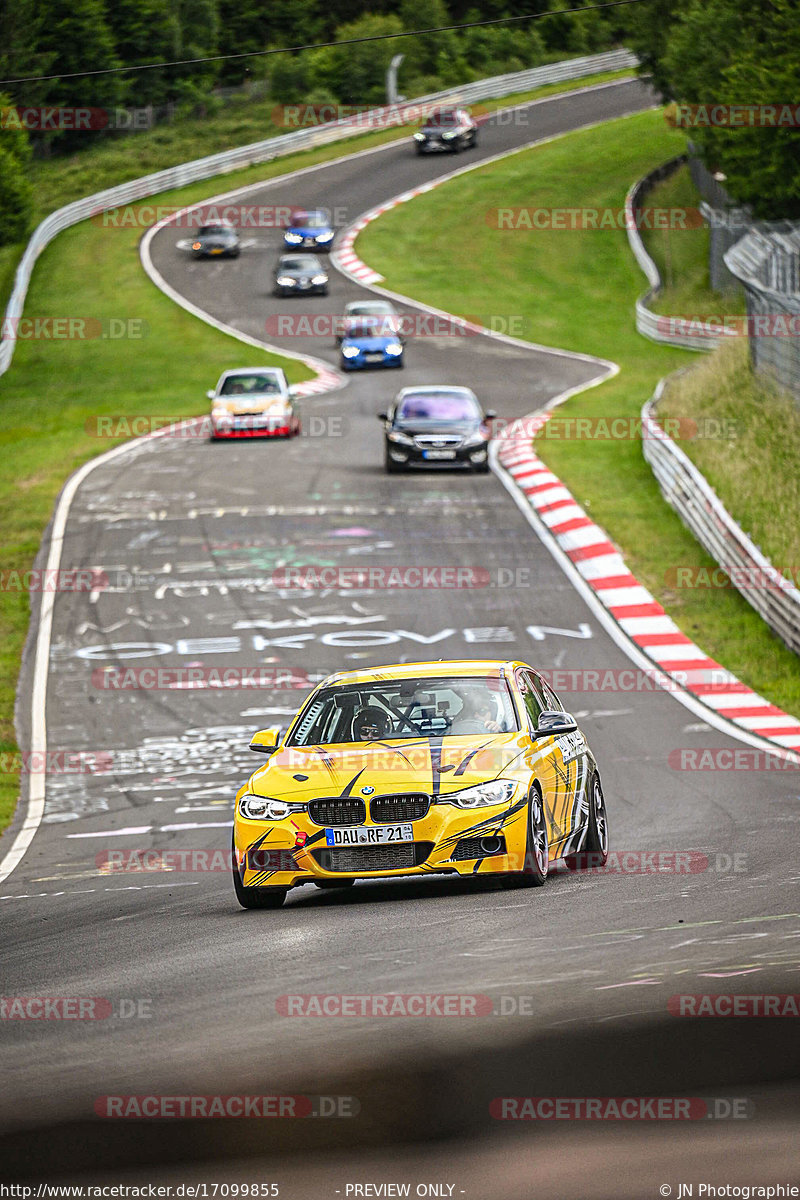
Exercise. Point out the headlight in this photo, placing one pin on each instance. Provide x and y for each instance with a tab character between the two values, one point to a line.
319	278
394	348
350	351
403	438
294	238
451	133
419	137
324	237
262	808
475	439
286	281
197	245
498	791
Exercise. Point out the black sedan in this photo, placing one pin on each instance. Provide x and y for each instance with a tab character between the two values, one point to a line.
450	129
219	240
436	426
300	275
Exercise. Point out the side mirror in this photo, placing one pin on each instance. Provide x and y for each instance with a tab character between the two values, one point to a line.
266	740
552	723
211	395
383	416
490	414
293	392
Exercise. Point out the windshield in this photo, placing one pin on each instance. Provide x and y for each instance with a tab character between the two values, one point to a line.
205	230
447	706
438	119
249	385
370	310
308	263
438	406
311	220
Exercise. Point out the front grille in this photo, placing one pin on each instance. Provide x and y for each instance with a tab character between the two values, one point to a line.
338	810
471	848
437	441
356	859
409	807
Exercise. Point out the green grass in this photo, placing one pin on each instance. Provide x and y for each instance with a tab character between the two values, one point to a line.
58	386
681	256
576	290
755	473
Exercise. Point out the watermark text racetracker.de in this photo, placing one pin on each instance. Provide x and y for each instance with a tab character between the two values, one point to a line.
55	762
754	325
132	425
727	1004
72	119
203	1107
74	1008
72	328
772	578
49	579
734	758
621	1108
592	219
239	216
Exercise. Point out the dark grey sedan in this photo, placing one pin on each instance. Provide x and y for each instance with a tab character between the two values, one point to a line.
216	241
300	275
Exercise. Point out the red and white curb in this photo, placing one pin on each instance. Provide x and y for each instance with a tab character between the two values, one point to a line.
327	379
635	610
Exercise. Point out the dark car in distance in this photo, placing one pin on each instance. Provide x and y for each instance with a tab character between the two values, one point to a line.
300	275
217	240
436	426
451	129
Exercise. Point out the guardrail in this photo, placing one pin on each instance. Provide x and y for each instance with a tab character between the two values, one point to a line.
767	264
688	492
656	326
275	147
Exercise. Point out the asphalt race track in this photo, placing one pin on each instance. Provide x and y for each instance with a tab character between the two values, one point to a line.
189	534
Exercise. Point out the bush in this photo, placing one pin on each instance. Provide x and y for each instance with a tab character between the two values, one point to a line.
16	200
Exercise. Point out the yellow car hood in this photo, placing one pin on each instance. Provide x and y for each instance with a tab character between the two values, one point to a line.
433	765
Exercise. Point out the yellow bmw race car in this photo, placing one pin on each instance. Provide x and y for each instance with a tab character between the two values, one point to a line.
461	767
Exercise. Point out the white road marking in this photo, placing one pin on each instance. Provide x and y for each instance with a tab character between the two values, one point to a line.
109	833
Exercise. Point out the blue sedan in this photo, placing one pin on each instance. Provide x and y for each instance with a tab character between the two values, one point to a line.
377	351
309	230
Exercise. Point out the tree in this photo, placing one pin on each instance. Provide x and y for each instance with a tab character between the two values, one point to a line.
715	58
647	32
20	51
145	31
356	74
16	199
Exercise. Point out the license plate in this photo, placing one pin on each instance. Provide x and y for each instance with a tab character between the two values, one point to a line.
216	251
438	453
369	835
374	357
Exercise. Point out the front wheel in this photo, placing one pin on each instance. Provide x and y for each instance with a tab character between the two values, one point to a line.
597	835
256	897
537	846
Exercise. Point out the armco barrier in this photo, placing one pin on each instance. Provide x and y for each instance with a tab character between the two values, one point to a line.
275	147
688	492
648	323
767	263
